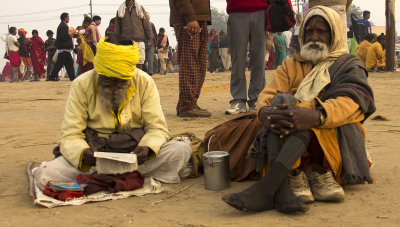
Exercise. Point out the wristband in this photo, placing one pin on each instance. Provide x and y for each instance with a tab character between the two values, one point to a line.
322	118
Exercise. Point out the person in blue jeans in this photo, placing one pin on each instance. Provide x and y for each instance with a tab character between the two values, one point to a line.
150	49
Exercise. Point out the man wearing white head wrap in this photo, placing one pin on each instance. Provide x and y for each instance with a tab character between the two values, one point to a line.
340	6
316	102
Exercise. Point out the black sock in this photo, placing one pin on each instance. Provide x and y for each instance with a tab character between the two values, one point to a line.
293	148
273	147
259	196
285	200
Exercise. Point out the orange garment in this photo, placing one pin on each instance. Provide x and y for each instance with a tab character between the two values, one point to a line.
362	51
375	56
339	111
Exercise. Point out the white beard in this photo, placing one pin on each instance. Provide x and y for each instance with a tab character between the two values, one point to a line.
109	99
314	55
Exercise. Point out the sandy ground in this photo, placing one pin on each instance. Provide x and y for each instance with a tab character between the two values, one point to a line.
31	115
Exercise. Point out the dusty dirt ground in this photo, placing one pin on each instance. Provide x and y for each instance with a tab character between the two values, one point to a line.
31	115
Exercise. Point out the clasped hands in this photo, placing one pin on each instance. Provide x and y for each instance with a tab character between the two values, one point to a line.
283	120
192	28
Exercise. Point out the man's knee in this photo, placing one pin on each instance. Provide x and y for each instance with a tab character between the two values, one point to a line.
284	98
178	150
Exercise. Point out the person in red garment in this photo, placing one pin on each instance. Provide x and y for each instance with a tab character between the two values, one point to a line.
38	55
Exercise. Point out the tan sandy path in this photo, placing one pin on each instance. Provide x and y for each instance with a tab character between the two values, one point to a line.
31	114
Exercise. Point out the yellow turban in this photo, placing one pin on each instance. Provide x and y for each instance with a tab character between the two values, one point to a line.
116	60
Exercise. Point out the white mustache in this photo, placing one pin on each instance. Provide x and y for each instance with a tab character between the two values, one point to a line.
320	45
314	54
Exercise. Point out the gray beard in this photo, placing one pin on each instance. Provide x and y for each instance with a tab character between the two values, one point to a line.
314	55
109	99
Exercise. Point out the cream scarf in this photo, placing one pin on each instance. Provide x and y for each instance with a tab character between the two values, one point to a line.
139	10
316	80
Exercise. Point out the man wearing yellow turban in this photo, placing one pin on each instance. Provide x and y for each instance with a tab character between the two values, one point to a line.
116	97
314	106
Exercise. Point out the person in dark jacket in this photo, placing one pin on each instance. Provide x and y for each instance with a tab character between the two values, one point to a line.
64	47
50	47
131	24
224	50
190	20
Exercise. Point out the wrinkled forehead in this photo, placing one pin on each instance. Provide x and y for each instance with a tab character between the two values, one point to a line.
316	16
107	79
318	21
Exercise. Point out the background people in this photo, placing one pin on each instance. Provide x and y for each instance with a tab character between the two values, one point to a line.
64	49
131	24
13	54
38	56
50	48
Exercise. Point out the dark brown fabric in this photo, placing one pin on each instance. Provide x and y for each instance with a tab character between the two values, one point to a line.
112	183
184	11
236	137
121	141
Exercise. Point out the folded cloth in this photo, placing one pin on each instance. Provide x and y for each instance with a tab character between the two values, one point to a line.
112	183
62	195
58	186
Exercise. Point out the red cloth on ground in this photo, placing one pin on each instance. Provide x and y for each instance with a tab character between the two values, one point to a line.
112	183
64	195
240	6
38	55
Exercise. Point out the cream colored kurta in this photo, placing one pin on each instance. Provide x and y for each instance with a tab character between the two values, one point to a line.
141	109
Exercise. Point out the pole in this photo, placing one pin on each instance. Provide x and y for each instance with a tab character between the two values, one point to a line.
91	9
390	46
298	6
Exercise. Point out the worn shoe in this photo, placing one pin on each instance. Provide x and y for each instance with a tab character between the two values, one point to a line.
236	108
253	107
300	187
195	113
323	186
202	110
